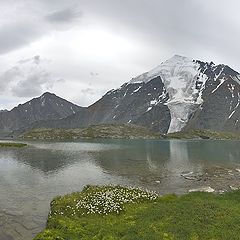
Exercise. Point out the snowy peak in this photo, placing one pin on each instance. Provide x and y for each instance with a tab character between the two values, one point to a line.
176	61
183	82
186	82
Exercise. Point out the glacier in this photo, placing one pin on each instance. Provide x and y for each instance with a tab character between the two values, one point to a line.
184	83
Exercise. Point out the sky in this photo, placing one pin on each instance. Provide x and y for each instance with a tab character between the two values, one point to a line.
80	49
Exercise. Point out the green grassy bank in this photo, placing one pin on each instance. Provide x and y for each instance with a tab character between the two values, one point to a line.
11	144
111	131
203	134
109	213
123	131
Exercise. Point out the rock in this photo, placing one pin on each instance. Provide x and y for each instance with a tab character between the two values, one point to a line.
233	188
191	176
202	189
221	191
183	174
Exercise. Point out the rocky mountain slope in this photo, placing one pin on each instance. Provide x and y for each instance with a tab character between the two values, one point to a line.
179	94
47	107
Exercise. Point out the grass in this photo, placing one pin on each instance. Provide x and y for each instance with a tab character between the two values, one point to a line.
111	131
203	134
10	144
109	213
123	131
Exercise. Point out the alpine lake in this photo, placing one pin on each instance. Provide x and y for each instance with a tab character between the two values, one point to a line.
30	177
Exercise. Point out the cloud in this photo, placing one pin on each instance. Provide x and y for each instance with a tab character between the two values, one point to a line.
88	91
94	74
115	41
63	16
25	22
15	35
33	85
28	78
36	59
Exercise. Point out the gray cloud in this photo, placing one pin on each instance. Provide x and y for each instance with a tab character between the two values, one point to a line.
94	74
88	91
36	59
63	16
8	77
16	35
206	31
28	78
31	20
189	27
33	85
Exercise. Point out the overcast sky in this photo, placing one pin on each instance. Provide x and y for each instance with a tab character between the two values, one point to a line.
79	49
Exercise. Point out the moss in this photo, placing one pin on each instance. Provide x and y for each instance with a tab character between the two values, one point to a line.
144	216
11	144
203	134
112	131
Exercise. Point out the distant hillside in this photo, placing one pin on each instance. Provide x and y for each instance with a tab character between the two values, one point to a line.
46	107
203	134
112	131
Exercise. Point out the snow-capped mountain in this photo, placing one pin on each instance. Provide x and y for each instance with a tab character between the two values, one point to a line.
184	84
46	107
179	94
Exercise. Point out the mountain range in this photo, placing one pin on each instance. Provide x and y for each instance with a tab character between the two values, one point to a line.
179	94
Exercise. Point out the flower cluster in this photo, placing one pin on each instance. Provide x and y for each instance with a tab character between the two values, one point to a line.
104	200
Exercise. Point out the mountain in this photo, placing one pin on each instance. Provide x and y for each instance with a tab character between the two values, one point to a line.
46	107
179	94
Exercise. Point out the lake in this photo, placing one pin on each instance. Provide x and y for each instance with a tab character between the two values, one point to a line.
31	177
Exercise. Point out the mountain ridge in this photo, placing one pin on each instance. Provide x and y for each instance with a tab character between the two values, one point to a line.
46	107
179	94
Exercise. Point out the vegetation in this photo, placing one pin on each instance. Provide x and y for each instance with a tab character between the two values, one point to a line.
11	144
113	131
203	134
124	131
122	213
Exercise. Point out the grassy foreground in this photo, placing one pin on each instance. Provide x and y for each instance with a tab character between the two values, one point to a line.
109	213
10	144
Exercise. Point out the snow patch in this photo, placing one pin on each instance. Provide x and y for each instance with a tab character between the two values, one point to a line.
136	90
43	100
235	108
73	110
150	108
221	82
154	102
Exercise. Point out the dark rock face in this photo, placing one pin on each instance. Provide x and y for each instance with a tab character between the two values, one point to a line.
179	94
46	107
134	103
210	98
221	99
